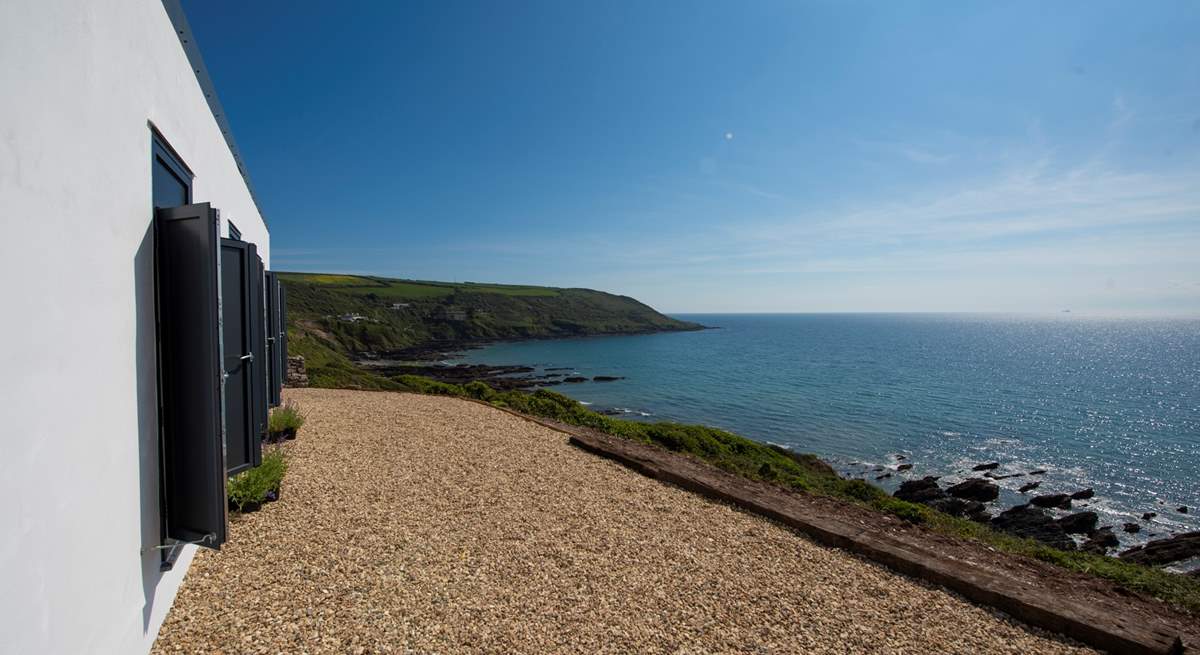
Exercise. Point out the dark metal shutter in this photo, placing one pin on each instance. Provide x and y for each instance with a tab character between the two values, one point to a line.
283	338
187	287
261	361
274	368
242	443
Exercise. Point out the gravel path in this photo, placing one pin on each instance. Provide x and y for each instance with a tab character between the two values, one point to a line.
417	524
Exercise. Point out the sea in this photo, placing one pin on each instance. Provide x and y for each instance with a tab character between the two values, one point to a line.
1111	404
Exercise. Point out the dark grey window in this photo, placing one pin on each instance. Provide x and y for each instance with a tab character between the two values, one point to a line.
234	233
170	179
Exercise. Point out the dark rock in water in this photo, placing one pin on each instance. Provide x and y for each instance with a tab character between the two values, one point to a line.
975	508
575	379
1133	528
925	490
883	477
810	462
900	458
1061	501
990	466
877	468
1079	523
1030	486
980	517
607	378
1182	510
1083	495
1164	551
975	489
1100	541
1149	515
996	476
959	507
951	506
1033	523
904	467
1038	472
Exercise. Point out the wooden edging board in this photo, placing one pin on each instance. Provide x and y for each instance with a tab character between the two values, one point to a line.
1099	629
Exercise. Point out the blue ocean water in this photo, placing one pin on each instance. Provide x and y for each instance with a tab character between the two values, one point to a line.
1112	404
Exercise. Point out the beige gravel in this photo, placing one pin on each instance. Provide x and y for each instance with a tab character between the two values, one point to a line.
417	524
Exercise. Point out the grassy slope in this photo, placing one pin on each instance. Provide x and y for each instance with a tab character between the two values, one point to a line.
490	312
807	473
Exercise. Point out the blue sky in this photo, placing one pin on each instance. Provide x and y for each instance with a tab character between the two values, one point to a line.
733	156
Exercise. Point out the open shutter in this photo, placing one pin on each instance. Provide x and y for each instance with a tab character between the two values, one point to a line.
238	268
273	345
282	337
275	342
262	360
191	412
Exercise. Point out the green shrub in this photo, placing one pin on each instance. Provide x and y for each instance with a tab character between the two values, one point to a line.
910	512
252	486
479	391
431	387
285	417
861	490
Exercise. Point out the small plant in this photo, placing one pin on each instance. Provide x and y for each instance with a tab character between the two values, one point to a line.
285	421
249	489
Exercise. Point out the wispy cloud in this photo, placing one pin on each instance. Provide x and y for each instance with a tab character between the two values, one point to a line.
1035	215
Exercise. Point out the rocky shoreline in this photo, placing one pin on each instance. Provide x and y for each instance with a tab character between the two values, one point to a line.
977	498
429	360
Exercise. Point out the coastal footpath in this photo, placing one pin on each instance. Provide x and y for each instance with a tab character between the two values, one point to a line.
433	524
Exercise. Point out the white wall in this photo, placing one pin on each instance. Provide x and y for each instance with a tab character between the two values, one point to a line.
79	82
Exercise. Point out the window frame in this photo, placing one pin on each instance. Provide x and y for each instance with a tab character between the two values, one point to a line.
161	151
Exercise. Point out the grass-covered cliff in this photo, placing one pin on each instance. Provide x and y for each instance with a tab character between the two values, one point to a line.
335	318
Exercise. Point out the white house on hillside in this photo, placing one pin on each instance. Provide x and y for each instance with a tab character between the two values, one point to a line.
134	241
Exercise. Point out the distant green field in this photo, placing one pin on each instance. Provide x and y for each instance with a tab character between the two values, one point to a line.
403	290
332	279
414	289
508	289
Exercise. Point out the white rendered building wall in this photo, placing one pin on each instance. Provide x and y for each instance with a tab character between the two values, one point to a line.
81	84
